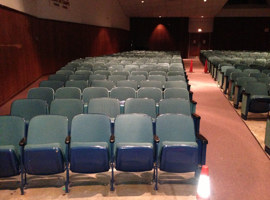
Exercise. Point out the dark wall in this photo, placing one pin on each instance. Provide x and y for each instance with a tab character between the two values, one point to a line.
241	33
160	34
32	47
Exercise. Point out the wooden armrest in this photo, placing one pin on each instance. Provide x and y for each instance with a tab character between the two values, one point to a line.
68	139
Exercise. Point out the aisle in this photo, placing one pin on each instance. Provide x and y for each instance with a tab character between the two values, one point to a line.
239	169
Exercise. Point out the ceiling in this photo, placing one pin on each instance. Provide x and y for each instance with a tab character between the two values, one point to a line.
172	8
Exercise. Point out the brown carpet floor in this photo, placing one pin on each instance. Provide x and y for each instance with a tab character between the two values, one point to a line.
239	168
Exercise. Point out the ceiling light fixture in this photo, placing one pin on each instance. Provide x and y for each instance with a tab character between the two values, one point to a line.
159	16
204	0
199	30
142	1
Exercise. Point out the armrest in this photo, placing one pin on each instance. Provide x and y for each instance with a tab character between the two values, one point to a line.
245	93
22	142
68	139
202	138
196	116
156	139
194	102
112	139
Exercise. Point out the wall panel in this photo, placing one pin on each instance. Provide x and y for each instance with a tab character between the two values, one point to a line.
241	33
32	47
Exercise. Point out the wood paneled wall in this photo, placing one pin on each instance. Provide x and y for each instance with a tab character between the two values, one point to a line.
241	33
160	34
32	47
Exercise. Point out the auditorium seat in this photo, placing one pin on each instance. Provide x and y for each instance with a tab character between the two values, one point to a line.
255	99
116	78
135	73
66	107
90	149
45	152
151	83
44	93
12	131
68	93
240	85
180	150
135	144
127	83
58	77
103	83
107	106
141	105
29	108
150	93
54	84
81	84
123	93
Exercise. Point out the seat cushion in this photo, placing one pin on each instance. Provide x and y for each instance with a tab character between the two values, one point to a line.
179	156
89	157
44	159
9	161
134	157
259	104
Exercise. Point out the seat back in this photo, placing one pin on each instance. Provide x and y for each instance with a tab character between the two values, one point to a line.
123	73
68	93
93	77
256	88
176	73
123	93
48	129
135	73
133	128
116	78
152	83
175	127
90	128
107	106
176	93
81	84
176	78
127	83
138	78
103	83
67	107
141	105
58	77
44	93
176	84
151	93
52	84
29	108
94	92
174	105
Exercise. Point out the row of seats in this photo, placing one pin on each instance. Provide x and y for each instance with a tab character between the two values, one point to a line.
110	84
92	147
244	83
120	93
29	108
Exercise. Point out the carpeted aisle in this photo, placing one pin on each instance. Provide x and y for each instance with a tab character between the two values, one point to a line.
239	168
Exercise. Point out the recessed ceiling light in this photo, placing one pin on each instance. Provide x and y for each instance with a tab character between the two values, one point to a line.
142	1
199	30
159	16
204	0
202	16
